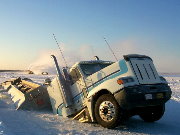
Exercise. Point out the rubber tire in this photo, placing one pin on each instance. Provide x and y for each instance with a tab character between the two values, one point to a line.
117	118
152	114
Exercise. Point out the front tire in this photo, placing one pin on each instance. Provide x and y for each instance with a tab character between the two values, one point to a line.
153	113
107	111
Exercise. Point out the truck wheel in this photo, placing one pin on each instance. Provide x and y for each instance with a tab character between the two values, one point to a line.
151	114
107	111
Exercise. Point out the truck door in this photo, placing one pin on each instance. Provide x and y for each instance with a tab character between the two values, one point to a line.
78	84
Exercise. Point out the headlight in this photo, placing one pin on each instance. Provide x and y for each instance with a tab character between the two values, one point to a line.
125	80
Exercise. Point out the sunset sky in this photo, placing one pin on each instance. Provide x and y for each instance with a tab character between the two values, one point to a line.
150	27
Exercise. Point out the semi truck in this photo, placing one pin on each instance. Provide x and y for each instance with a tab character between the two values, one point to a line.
109	92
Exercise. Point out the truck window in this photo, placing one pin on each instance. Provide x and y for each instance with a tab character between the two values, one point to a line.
89	69
75	75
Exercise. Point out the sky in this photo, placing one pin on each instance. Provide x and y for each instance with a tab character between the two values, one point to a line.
150	27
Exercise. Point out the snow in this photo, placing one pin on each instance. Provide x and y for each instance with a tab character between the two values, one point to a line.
21	122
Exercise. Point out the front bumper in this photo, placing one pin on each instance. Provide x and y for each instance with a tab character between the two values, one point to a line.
136	96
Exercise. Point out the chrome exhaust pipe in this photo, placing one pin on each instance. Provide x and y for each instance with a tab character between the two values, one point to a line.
63	85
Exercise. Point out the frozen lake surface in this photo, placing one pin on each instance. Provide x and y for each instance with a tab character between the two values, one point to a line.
13	122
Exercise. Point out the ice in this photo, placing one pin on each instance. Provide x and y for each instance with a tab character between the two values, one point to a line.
13	122
4	76
174	83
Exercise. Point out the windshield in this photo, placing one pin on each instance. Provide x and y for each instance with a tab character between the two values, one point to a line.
89	69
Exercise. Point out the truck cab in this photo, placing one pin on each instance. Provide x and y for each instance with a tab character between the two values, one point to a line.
106	92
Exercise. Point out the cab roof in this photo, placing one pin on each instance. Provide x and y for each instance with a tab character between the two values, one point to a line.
129	56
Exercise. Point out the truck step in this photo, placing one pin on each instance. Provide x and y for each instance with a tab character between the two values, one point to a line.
83	116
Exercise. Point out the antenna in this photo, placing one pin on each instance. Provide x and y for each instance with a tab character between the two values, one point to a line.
110	49
60	50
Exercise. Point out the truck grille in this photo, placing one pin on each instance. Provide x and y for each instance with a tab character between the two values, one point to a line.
145	71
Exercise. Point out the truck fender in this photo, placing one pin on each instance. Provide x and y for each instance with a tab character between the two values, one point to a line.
90	102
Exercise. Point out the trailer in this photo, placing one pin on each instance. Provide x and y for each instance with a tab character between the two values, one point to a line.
26	94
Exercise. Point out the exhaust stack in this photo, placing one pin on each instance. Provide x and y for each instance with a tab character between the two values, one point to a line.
63	85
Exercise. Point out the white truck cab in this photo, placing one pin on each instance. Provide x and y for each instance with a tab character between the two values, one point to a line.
107	92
